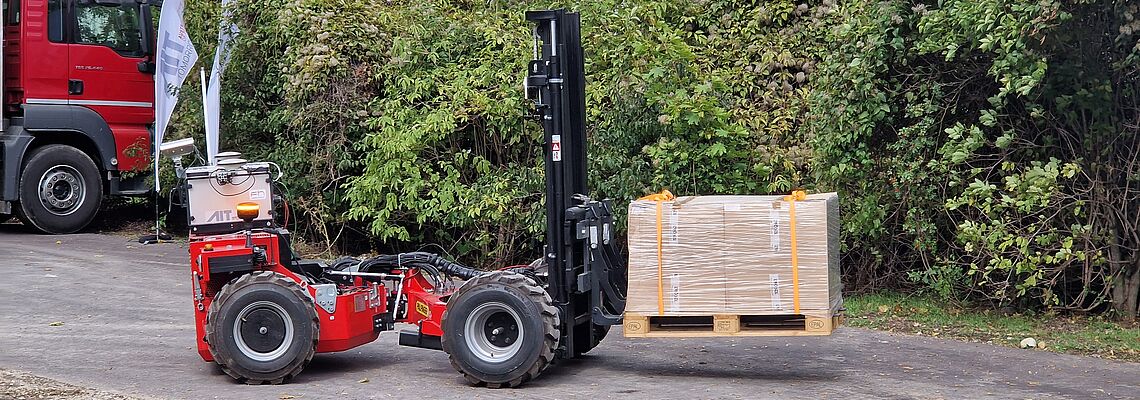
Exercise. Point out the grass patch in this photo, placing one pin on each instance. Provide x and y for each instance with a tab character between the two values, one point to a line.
920	315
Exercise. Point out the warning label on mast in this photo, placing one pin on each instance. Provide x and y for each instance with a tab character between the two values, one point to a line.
556	147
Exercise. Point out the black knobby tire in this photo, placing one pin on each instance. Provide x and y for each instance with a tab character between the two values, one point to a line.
60	189
275	312
501	298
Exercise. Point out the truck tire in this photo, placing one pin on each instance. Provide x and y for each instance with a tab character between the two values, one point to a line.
262	328
500	329
60	190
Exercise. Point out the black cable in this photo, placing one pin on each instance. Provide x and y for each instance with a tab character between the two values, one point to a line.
446	267
248	177
436	276
343	263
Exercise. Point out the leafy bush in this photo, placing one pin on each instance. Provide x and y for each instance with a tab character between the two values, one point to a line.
984	143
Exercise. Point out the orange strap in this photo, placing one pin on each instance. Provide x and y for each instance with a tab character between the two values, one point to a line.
665	195
660	198
797	195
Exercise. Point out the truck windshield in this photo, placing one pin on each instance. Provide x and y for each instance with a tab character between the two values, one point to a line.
114	26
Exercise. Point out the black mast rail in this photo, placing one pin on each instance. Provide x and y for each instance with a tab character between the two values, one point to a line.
586	272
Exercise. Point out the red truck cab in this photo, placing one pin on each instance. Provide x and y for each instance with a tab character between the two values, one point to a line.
78	108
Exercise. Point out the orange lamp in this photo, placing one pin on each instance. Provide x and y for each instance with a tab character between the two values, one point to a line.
248	211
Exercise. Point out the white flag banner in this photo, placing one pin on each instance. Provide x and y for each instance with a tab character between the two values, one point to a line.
176	55
226	33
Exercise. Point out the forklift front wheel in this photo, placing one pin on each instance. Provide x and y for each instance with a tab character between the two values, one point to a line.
500	329
493	331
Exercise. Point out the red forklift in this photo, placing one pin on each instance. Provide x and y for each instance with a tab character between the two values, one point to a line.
262	313
77	108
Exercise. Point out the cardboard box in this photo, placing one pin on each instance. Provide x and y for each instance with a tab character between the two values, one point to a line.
733	255
683	289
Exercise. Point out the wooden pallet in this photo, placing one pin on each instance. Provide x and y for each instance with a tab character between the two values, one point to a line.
637	325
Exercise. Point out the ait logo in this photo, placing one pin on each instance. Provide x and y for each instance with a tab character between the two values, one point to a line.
221	216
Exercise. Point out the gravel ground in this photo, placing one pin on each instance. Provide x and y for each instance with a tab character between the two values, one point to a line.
18	385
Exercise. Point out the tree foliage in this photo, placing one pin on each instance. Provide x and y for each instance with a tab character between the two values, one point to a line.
990	147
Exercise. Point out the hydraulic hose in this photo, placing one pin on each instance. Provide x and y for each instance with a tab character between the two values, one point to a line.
386	262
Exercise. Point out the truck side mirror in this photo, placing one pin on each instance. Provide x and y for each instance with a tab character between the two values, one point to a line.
146	34
147	29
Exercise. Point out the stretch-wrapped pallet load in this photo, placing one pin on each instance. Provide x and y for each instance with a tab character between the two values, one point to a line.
733	265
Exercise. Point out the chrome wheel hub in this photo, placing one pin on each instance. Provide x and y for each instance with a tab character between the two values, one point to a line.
62	190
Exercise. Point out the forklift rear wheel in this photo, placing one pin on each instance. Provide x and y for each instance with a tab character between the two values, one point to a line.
500	329
262	328
60	190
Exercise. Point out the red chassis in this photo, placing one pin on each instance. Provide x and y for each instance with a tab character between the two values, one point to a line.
362	306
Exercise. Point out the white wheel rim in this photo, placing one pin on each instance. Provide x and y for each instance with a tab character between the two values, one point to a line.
241	340
494	332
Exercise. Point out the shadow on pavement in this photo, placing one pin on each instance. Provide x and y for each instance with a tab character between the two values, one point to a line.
696	369
325	366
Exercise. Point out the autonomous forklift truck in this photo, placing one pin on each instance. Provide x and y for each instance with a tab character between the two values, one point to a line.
261	313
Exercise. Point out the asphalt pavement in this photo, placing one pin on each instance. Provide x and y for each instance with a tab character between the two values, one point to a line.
105	313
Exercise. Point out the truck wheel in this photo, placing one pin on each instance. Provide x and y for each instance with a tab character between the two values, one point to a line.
60	190
262	328
500	329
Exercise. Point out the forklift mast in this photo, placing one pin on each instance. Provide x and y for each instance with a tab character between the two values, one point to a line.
586	276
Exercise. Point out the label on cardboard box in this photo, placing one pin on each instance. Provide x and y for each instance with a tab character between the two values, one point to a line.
674	221
777	303
774	235
675	293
